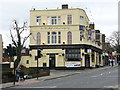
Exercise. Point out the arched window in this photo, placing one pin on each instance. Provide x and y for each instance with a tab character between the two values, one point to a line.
53	37
38	38
69	37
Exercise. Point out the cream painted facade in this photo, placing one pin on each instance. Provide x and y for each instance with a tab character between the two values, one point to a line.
65	39
1	48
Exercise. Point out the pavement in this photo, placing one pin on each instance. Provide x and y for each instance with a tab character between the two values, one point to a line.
53	75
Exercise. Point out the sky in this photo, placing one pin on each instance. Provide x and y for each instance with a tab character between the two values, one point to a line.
104	13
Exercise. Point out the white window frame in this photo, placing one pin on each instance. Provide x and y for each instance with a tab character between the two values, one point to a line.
69	19
38	38
53	20
54	38
59	37
48	37
81	20
59	20
48	20
69	37
38	20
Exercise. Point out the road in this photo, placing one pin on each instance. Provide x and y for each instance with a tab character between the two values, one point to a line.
104	78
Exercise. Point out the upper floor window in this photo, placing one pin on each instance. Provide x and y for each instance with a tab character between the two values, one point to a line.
38	38
59	37
59	20
54	20
81	36
49	20
89	32
48	37
69	19
53	37
69	37
81	20
38	20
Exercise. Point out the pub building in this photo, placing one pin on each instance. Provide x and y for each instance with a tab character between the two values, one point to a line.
66	39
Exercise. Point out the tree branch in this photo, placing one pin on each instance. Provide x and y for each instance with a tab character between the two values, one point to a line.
23	28
26	39
13	39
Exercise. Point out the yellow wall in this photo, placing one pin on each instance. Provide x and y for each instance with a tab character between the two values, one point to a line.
43	29
58	12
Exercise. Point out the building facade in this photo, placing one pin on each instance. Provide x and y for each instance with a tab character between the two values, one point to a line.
66	39
1	48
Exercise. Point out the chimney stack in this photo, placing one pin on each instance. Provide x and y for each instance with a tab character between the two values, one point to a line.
92	25
65	6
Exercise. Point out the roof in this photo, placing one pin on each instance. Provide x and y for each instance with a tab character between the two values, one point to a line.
61	10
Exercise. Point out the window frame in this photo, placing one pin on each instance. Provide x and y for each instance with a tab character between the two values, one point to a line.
38	20
38	38
81	20
48	20
48	37
54	37
59	37
69	37
54	20
69	19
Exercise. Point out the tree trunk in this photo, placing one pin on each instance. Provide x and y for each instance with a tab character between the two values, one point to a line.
17	61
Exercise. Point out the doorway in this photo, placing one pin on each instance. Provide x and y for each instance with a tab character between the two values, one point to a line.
52	61
87	61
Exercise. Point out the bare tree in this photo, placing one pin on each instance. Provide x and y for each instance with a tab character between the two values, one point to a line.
18	40
114	40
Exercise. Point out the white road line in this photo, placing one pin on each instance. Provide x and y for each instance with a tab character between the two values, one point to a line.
115	86
38	87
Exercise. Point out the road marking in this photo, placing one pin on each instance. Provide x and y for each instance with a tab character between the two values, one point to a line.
39	87
115	86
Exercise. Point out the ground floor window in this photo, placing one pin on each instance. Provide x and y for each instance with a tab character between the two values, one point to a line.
27	61
73	54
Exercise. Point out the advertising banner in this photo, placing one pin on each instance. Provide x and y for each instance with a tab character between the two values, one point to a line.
75	64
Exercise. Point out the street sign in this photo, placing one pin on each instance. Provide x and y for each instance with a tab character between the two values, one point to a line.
80	59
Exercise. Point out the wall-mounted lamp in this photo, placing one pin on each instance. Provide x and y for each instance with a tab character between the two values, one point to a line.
30	55
83	54
63	42
43	23
89	51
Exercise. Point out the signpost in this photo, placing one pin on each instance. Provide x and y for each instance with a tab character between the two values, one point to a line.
36	58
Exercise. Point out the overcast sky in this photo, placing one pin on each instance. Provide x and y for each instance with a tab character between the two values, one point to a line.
104	13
